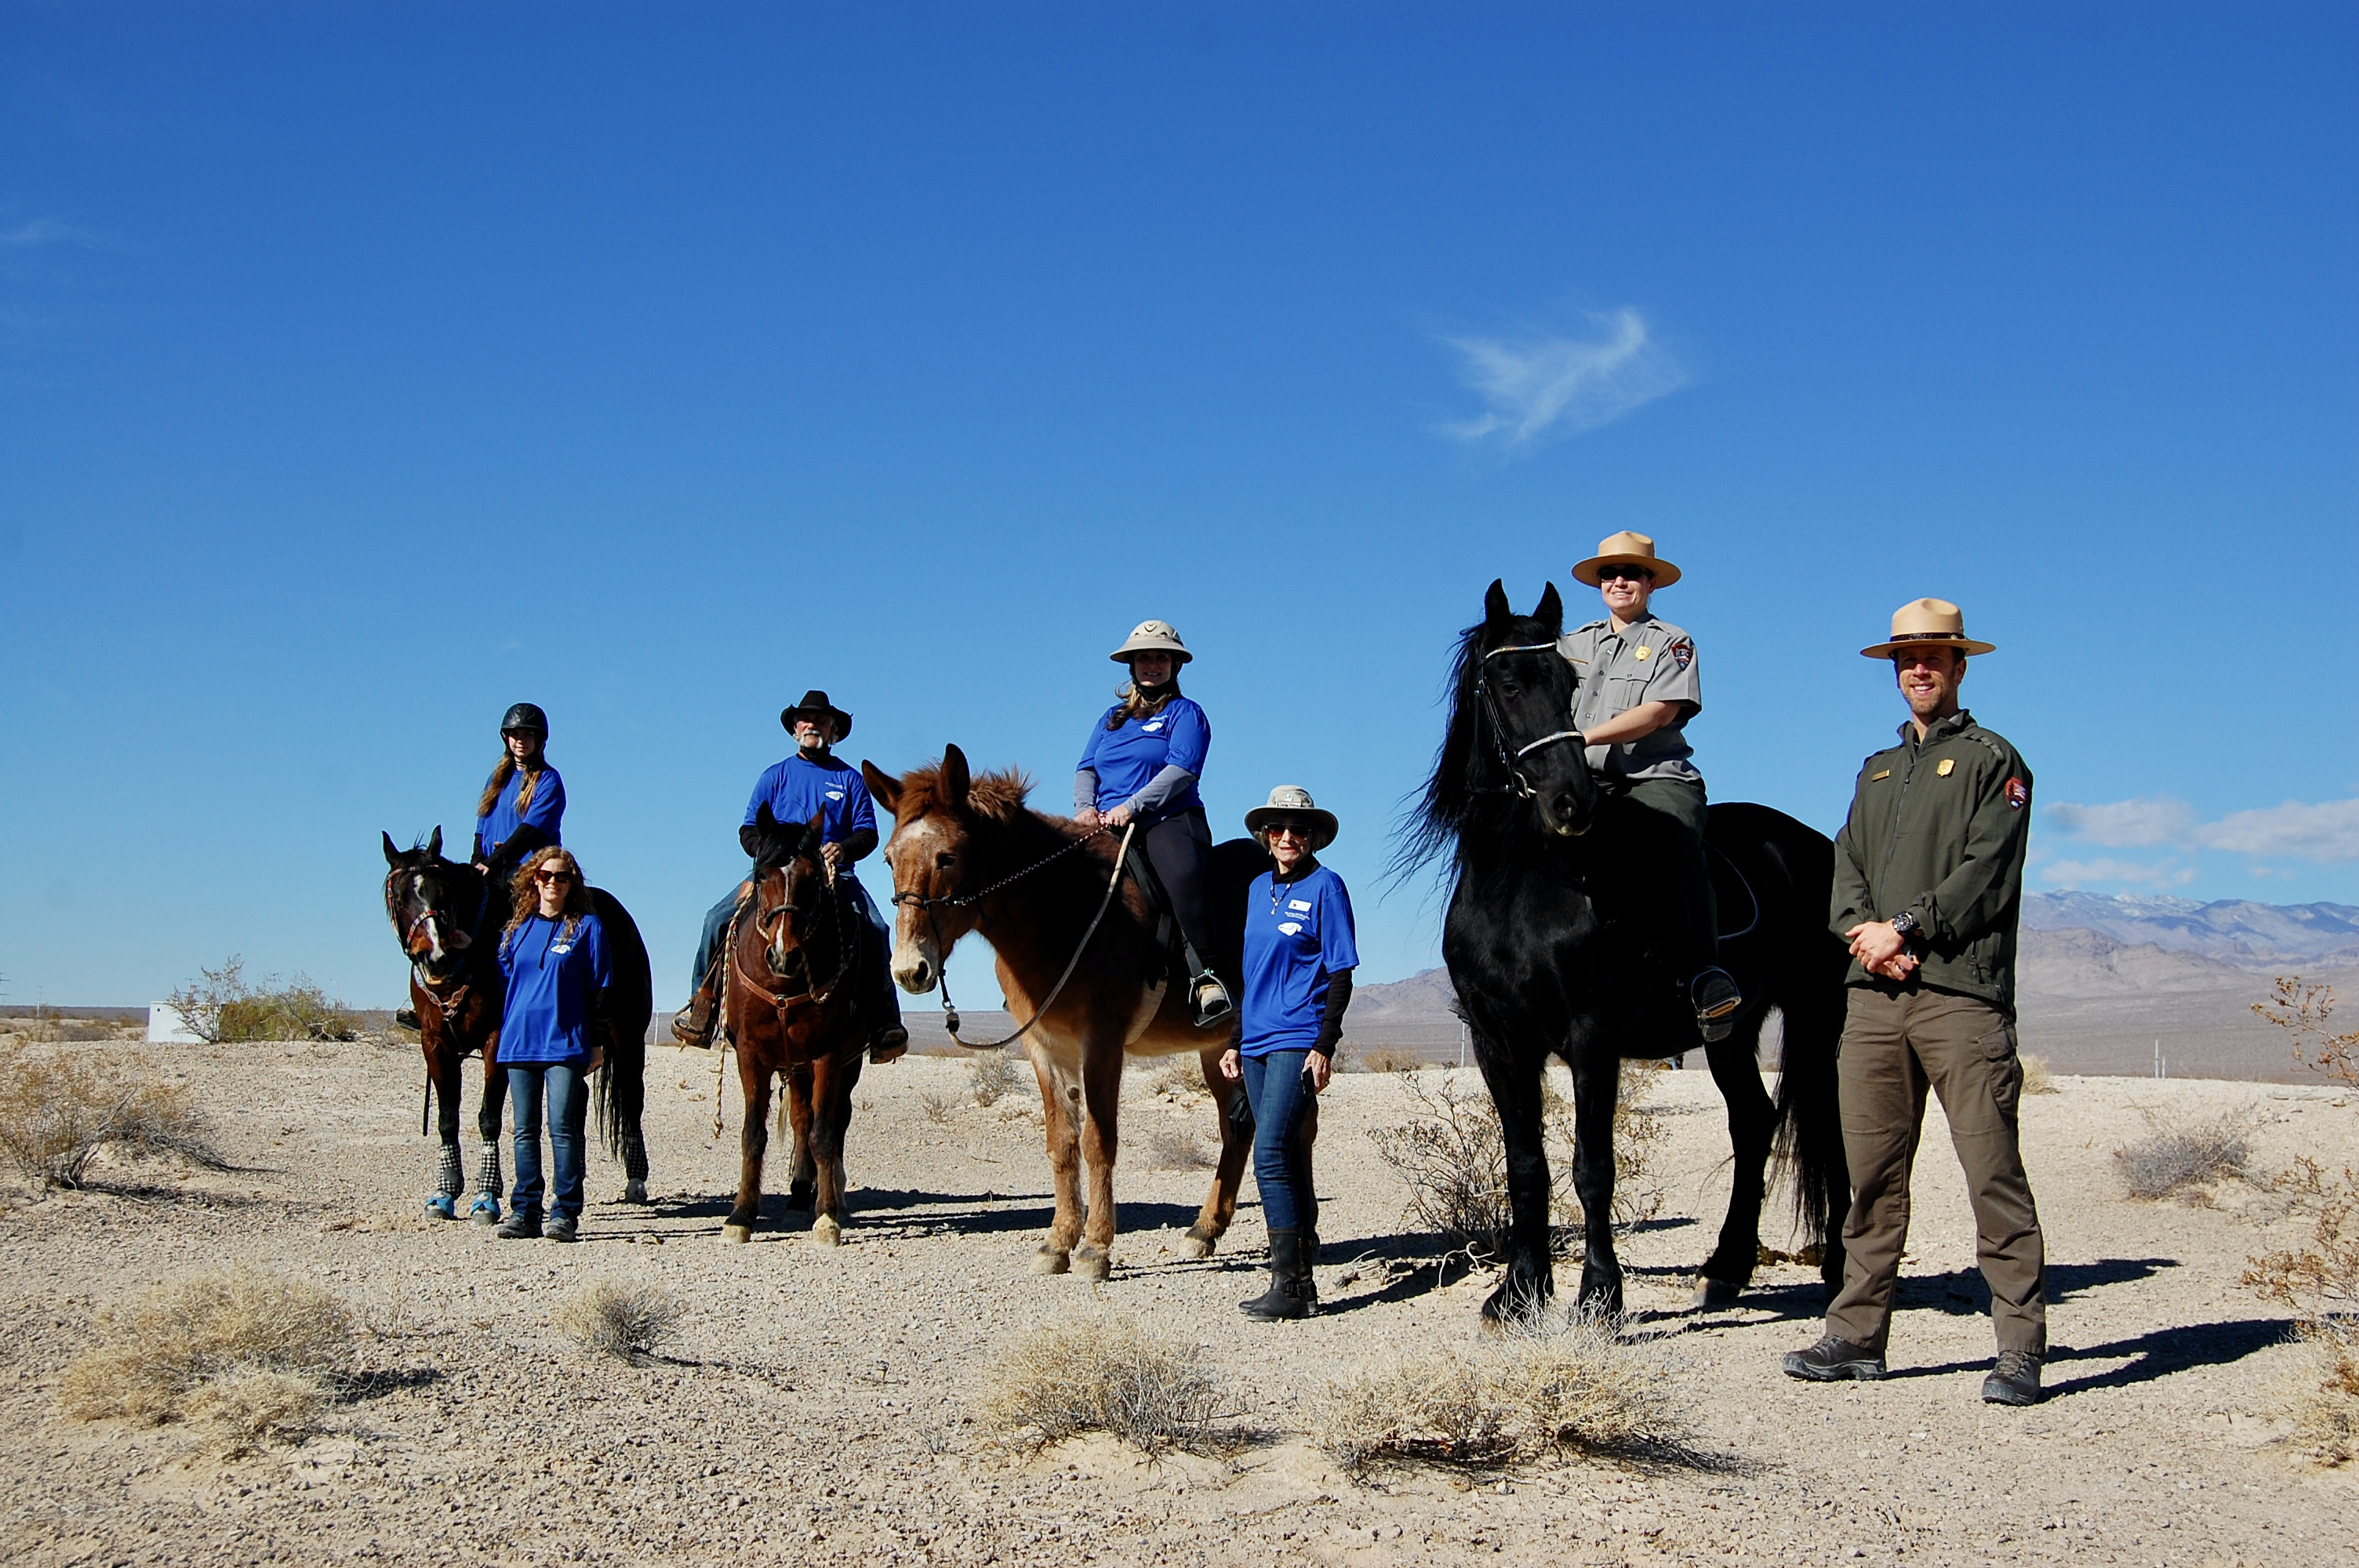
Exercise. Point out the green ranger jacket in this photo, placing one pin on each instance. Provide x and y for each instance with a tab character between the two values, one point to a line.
1939	829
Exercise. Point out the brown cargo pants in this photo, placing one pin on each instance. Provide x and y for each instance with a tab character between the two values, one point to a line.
1897	1040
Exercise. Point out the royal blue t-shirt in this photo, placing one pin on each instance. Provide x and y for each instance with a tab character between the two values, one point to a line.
1126	758
1297	933
798	786
552	975
545	810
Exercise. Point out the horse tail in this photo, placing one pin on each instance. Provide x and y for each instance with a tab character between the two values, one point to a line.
1809	1116
621	1089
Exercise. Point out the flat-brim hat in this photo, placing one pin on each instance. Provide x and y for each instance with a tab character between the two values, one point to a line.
1293	800
1627	550
816	702
1928	624
1152	637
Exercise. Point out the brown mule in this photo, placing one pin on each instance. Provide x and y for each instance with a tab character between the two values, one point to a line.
969	856
792	967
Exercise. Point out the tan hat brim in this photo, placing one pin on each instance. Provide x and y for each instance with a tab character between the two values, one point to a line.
1963	645
1122	655
1665	573
1258	818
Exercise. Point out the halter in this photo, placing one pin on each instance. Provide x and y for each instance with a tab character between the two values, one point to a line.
450	1003
1516	785
765	923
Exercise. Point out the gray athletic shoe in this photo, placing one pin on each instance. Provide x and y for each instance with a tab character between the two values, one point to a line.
2015	1381
1832	1359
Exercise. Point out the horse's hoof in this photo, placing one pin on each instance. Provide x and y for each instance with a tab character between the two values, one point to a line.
736	1234
485	1210
1200	1246
1711	1293
443	1205
634	1191
826	1232
1092	1263
1051	1259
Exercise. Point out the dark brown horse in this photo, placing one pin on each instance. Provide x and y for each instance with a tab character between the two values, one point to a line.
793	984
969	856
449	920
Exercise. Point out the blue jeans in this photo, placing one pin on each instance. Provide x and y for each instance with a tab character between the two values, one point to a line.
569	1107
879	941
1280	1096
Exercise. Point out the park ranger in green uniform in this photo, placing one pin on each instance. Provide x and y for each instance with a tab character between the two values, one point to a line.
1928	885
1639	686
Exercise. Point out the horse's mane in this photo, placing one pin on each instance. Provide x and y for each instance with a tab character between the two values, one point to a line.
1438	815
995	797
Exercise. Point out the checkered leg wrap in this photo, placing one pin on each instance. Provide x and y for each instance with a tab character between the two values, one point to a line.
449	1173
488	1171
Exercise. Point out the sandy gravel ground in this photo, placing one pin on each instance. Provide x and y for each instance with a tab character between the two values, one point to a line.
815	1408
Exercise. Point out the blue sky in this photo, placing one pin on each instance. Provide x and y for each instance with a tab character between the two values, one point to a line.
366	368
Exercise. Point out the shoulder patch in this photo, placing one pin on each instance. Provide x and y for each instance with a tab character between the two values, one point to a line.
1683	652
2018	793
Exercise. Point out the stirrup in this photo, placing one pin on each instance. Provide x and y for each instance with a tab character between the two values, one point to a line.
1717	1001
1209	999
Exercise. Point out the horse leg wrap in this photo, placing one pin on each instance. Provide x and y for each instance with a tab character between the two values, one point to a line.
486	1206
635	1159
450	1185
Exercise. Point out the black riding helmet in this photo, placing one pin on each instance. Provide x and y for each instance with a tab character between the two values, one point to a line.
526	716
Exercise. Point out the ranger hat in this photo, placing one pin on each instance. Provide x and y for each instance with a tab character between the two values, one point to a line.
816	702
1152	637
1627	550
525	716
1293	800
1928	624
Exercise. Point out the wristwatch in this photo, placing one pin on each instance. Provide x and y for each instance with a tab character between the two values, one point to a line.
1903	925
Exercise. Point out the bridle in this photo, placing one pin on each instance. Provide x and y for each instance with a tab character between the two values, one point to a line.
766	924
447	1003
929	903
1517	784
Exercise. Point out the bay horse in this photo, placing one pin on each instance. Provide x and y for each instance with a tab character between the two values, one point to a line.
1559	883
968	856
792	995
449	918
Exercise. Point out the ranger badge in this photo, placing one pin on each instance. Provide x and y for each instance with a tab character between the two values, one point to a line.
1948	765
1643	651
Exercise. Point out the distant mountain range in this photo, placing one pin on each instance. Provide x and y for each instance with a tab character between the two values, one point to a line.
2236	932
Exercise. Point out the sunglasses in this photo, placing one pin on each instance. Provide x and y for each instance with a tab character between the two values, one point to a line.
1619	574
552	876
1289	830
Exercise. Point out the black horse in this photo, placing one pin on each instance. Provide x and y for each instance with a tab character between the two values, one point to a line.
1548	938
448	921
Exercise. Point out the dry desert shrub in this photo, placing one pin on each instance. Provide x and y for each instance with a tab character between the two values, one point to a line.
1390	1059
1099	1372
2037	1079
938	1106
1168	1149
59	1109
2177	1155
1570	1385
2325	1406
251	1355
992	1075
220	1005
1452	1157
1182	1076
623	1318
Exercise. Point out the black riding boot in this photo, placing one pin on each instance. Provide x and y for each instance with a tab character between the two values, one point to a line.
692	1025
1286	1297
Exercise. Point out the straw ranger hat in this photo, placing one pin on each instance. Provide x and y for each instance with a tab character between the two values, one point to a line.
1152	637
1928	624
1293	800
815	702
1627	550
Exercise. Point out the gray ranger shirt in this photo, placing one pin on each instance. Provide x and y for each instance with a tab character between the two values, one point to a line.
1653	661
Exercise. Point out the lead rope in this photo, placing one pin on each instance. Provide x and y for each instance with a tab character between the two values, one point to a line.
949	1008
722	1042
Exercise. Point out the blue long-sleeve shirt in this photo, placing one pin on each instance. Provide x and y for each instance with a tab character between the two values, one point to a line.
553	979
1126	760
543	813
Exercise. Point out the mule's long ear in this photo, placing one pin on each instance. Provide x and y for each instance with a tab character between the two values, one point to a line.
956	780
434	843
1550	611
1494	603
391	855
882	787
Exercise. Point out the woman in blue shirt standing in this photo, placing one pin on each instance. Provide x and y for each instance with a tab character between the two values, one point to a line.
1141	765
1299	955
524	800
552	1033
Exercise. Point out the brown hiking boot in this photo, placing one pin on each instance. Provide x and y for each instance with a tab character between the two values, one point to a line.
692	1025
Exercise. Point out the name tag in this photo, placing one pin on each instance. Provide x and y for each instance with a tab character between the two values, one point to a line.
1296	904
1885	774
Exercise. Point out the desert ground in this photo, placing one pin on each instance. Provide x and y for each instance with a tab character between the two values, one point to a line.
817	1404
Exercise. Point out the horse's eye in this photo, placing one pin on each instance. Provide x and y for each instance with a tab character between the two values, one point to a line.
944	861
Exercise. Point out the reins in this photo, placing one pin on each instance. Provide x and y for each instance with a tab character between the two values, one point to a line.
443	1005
1515	784
942	955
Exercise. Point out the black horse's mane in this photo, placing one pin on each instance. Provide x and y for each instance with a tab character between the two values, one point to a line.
1439	815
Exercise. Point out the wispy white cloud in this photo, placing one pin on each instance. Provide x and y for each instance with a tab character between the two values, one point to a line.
35	232
2080	874
2323	832
1540	386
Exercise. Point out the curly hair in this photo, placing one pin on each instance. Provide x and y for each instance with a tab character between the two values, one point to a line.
527	893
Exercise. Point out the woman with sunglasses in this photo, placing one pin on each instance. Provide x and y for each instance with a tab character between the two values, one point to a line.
1141	765
1299	955
552	1034
1640	683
